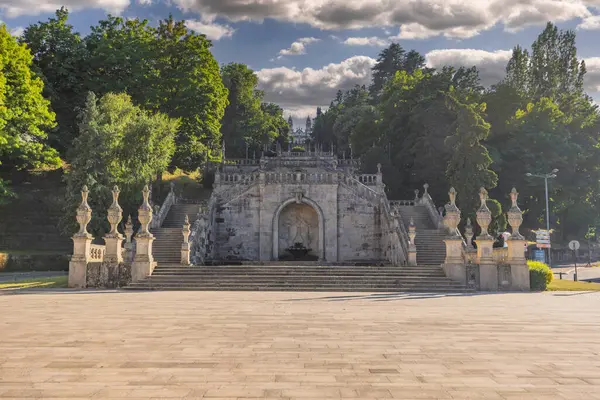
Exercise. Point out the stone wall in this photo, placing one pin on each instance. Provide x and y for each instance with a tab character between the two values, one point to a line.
107	275
336	223
360	233
236	234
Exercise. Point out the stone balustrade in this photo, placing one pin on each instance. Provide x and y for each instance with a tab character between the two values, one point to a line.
367	179
97	252
398	203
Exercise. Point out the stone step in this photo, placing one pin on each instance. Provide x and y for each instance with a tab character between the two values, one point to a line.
386	289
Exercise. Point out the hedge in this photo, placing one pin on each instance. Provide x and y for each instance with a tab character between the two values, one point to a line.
540	275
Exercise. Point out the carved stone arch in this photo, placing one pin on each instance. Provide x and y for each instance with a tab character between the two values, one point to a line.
299	198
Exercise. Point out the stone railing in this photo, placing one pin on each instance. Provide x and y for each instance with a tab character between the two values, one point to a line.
367	179
159	218
302	177
237	178
359	188
427	201
398	236
241	162
97	252
349	163
396	203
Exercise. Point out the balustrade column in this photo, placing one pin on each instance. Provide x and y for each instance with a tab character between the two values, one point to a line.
412	248
143	262
113	239
82	243
488	270
185	246
516	247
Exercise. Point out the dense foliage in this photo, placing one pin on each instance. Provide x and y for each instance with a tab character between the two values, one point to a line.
24	115
540	275
442	127
118	144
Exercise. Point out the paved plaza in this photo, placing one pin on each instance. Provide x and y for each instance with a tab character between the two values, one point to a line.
286	345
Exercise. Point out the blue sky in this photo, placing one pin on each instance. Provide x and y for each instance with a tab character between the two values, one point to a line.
306	50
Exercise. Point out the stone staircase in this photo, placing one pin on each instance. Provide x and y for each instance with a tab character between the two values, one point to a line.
305	277
431	249
167	245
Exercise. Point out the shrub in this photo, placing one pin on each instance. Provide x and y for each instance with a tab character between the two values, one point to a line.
540	275
298	149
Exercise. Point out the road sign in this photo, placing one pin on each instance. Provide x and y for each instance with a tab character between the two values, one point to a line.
539	255
542	238
574	245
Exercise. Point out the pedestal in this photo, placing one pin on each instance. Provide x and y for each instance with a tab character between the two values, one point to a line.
185	254
488	270
488	277
114	248
485	250
81	256
143	262
454	250
412	256
518	265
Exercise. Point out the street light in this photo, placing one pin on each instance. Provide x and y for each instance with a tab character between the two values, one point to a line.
546	177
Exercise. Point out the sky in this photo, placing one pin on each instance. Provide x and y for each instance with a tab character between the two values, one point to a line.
304	51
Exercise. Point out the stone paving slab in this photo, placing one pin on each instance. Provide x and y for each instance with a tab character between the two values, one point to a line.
285	345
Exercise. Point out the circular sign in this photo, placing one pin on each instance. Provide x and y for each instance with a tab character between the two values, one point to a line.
574	245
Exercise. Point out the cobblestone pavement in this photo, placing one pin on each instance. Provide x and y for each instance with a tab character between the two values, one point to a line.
239	345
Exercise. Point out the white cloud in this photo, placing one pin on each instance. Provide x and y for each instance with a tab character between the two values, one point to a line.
366	41
298	47
14	8
491	64
590	23
18	31
300	92
416	18
211	29
592	78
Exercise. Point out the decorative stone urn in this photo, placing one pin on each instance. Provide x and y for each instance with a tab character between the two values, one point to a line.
515	216
416	195
145	214
412	248
469	234
84	214
452	217
115	214
484	215
128	230
412	231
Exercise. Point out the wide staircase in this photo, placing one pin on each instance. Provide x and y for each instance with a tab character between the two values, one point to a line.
299	277
431	249
167	245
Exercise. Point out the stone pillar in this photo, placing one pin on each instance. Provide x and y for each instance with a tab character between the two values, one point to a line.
82	242
380	186
516	247
128	242
454	264
185	246
113	239
488	270
412	248
143	262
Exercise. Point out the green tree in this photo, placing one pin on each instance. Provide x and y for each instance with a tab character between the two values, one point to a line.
60	58
118	144
169	69
468	166
24	113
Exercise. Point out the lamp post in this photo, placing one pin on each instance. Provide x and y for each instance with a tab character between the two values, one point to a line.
546	177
